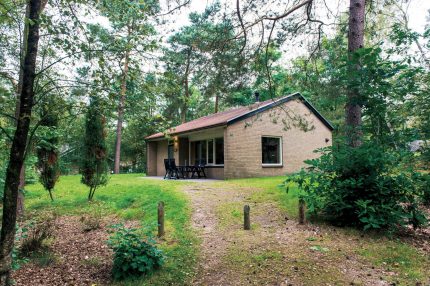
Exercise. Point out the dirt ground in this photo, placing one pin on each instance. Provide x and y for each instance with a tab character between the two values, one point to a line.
276	251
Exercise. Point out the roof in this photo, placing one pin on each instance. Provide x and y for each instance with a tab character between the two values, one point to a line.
236	114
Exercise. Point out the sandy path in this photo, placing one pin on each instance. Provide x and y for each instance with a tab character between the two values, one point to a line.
280	242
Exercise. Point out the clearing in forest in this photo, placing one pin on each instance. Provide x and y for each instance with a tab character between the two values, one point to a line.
205	243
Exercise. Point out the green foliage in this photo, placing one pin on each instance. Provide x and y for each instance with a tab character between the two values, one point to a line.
94	165
47	149
134	254
366	187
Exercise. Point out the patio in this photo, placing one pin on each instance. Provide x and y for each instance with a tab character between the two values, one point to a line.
201	180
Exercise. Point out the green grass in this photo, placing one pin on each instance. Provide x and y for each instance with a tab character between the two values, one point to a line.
273	191
130	197
402	258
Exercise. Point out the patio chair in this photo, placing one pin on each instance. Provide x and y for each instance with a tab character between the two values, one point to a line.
199	169
167	168
179	172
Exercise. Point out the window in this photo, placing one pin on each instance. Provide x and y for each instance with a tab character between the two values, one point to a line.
271	148
200	152
219	151
210	152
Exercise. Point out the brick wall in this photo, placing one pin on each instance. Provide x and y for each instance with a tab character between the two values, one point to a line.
151	158
242	149
161	155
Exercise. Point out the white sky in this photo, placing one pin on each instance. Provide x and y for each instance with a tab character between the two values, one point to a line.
417	14
418	11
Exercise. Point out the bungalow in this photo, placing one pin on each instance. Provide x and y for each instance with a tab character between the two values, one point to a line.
268	138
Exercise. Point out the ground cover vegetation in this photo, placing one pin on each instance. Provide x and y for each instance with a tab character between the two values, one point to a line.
83	82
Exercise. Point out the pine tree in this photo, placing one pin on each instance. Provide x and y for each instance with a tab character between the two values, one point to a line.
47	150
94	165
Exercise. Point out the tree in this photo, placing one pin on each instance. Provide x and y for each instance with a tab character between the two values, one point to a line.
47	149
130	38
19	142
355	42
94	165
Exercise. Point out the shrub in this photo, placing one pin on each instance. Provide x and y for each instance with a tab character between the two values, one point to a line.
135	254
35	232
368	187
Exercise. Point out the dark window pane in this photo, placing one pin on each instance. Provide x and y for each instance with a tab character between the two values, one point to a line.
210	151
219	151
200	152
271	150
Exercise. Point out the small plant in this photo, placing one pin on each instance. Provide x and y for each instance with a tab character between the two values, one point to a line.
35	232
45	258
93	220
135	253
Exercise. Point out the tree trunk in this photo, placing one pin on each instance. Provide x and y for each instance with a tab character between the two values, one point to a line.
121	114
19	144
20	203
216	103
355	42
184	109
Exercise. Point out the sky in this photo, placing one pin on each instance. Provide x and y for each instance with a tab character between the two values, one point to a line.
418	11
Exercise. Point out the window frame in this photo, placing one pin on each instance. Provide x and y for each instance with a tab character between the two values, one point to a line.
213	139
281	163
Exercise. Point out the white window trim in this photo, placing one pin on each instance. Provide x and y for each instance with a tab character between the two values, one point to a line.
280	150
207	151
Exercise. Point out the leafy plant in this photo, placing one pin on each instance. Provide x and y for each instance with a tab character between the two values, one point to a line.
135	254
367	186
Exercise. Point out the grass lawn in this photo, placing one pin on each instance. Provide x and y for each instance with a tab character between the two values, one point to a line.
130	197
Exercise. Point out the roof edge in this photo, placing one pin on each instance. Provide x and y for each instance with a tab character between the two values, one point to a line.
184	132
279	102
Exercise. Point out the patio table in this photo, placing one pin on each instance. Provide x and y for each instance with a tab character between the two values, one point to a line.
188	171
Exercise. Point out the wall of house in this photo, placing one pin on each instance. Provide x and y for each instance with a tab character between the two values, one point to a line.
151	158
215	172
161	155
242	141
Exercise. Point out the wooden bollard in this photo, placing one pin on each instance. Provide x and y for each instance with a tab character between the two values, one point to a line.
246	218
160	219
302	210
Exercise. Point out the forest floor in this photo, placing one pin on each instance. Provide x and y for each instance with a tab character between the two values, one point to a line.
205	243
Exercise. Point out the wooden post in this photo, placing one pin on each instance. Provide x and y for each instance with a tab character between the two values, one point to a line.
246	218
302	208
160	219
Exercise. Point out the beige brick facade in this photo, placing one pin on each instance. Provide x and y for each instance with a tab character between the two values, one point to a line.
242	141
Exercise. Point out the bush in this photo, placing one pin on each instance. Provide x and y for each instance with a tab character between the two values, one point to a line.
35	232
367	187
135	254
